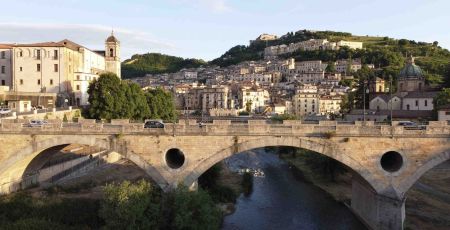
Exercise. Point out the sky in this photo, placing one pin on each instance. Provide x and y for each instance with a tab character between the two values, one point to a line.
207	28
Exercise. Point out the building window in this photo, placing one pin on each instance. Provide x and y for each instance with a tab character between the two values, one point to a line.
20	69
78	87
20	53
3	69
56	67
111	52
38	54
426	102
3	54
38	67
39	81
55	54
78	77
21	81
51	81
3	82
407	107
417	102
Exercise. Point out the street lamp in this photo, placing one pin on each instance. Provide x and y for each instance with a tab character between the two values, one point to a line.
390	91
364	102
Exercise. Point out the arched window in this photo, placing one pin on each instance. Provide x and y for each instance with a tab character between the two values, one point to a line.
407	107
111	52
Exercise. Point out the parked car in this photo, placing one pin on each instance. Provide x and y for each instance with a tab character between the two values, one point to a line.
37	123
154	124
411	125
5	111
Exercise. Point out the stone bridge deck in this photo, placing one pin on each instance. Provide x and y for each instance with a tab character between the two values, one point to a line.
226	128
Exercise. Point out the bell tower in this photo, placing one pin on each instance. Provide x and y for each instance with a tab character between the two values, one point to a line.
112	55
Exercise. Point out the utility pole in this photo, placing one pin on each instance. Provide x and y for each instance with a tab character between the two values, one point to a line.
390	91
364	102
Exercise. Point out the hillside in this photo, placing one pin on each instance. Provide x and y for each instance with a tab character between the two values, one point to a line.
386	53
152	63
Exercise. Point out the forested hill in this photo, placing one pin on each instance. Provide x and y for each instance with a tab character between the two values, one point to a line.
151	63
386	53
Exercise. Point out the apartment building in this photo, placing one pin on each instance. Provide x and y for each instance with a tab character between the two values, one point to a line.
63	68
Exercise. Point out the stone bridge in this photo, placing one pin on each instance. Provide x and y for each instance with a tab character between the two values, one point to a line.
386	160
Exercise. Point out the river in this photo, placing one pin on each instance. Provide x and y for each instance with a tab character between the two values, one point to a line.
280	201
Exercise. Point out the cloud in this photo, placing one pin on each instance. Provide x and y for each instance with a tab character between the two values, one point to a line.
90	36
217	6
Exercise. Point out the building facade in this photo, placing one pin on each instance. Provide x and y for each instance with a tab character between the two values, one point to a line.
64	68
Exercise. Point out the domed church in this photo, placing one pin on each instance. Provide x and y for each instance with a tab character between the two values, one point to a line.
411	78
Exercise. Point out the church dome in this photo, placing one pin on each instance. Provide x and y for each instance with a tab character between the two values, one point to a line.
111	38
411	69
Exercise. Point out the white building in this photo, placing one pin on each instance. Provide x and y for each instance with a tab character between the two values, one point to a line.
330	104
257	99
351	45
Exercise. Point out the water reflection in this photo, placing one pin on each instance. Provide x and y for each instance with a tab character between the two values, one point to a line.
279	201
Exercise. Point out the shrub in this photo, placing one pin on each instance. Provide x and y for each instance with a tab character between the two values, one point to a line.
329	134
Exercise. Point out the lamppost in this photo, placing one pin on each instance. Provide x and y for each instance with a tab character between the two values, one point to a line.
364	102
390	91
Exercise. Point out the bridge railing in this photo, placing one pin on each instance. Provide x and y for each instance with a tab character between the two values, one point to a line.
227	127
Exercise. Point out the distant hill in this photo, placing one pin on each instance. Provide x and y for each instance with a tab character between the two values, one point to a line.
386	53
153	63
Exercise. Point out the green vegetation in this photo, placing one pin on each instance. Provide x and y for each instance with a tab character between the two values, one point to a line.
282	117
21	211
442	98
243	113
131	206
161	104
154	63
387	54
111	98
124	206
219	193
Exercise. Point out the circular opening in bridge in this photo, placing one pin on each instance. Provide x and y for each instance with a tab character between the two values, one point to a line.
174	158
391	161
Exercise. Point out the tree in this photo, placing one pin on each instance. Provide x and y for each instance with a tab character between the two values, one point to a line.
442	98
137	107
248	106
130	206
331	67
161	104
193	210
107	98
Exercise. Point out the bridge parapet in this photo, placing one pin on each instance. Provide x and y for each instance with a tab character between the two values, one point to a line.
225	127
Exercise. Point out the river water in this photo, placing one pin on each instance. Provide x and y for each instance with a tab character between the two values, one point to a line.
280	201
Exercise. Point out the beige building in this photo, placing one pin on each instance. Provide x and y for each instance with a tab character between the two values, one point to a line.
207	98
306	100
5	65
377	85
330	104
63	68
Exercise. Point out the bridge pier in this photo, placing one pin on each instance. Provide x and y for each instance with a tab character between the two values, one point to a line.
378	212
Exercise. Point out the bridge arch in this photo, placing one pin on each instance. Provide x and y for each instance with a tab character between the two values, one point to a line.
14	167
430	163
321	146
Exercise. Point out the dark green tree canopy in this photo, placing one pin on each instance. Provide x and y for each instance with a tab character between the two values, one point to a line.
111	98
